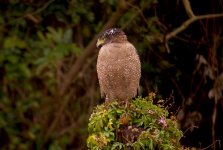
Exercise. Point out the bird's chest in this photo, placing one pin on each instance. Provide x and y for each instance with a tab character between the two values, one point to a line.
114	58
114	55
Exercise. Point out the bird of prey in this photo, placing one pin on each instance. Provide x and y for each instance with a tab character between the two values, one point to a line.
118	66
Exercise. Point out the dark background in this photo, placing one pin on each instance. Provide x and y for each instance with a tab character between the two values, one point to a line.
48	78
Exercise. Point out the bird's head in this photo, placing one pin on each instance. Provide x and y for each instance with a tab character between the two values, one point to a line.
111	36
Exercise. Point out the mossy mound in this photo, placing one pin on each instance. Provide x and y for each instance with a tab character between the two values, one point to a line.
141	125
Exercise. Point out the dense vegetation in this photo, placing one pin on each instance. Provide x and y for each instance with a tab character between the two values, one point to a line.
48	79
141	125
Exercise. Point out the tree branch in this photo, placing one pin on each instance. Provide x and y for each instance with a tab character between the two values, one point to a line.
190	21
192	18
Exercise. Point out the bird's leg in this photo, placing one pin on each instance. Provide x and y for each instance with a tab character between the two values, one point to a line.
107	99
126	104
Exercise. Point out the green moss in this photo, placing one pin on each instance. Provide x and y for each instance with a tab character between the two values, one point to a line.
141	125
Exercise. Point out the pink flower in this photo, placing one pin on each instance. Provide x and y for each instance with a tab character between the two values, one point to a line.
162	121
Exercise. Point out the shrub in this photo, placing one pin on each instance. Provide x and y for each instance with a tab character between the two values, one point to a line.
141	125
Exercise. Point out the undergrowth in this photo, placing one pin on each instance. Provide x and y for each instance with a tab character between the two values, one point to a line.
141	125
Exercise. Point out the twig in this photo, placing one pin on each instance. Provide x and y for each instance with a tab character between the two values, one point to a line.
190	129
30	15
42	8
139	12
211	146
217	80
188	9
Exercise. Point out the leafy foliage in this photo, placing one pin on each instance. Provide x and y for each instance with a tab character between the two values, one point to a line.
142	125
30	78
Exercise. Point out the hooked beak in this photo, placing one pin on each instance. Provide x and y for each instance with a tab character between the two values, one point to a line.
100	42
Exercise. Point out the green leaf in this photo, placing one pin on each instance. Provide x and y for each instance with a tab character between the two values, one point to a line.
13	42
117	145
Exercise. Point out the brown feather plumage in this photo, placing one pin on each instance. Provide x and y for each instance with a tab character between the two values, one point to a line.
118	67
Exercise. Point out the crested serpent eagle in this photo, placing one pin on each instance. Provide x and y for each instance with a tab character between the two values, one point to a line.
118	66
